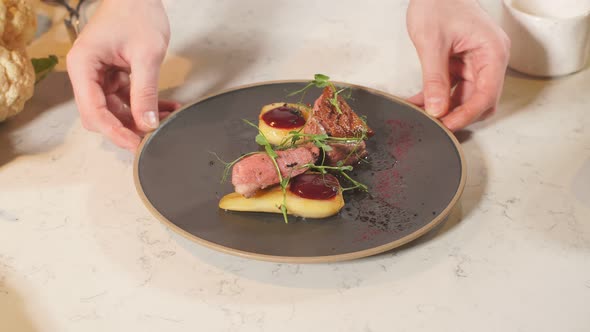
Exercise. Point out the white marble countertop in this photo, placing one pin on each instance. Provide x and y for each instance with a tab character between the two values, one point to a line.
79	251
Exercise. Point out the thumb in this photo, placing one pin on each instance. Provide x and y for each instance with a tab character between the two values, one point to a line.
144	96
436	80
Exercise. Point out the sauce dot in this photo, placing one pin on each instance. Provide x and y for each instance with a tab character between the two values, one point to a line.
284	117
315	186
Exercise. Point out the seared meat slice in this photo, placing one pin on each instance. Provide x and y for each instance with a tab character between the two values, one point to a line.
258	171
345	124
347	153
326	119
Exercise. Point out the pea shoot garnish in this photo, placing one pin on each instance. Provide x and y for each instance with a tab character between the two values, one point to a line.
229	165
321	81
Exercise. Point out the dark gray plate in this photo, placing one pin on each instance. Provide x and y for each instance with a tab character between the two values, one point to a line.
415	176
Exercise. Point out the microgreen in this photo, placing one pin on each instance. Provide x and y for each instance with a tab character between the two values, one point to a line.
319	140
321	81
229	165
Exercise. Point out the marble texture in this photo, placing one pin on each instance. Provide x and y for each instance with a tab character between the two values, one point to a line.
79	252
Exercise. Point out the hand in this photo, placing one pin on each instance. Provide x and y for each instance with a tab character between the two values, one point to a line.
114	68
459	46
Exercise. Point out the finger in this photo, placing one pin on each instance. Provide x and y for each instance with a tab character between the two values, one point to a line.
85	75
164	115
144	94
469	112
463	81
461	94
436	79
486	93
460	69
168	106
121	110
112	128
118	104
116	81
417	99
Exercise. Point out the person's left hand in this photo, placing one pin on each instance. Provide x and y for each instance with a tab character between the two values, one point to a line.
459	46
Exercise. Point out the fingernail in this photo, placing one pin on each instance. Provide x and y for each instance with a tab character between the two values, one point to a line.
451	124
434	106
151	119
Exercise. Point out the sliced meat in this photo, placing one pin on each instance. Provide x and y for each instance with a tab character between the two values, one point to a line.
335	124
347	153
326	119
257	171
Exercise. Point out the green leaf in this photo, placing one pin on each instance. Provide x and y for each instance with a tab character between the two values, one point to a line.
261	140
339	163
321	77
326	147
321	81
43	66
322	137
321	84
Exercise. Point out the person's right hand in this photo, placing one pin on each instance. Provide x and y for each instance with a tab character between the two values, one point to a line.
464	56
114	69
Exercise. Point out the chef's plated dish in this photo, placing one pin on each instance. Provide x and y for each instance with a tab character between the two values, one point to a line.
300	171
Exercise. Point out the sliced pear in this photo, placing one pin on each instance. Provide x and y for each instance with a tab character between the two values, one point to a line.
276	135
271	199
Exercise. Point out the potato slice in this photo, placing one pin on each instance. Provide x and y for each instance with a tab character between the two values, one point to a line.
277	133
271	199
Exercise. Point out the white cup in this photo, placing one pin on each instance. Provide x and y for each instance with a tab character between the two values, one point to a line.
549	37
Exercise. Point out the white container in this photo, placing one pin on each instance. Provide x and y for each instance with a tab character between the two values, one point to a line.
549	37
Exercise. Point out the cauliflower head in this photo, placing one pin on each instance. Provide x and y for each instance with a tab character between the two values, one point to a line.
17	81
18	23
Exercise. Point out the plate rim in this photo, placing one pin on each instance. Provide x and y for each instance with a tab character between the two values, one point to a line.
304	259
